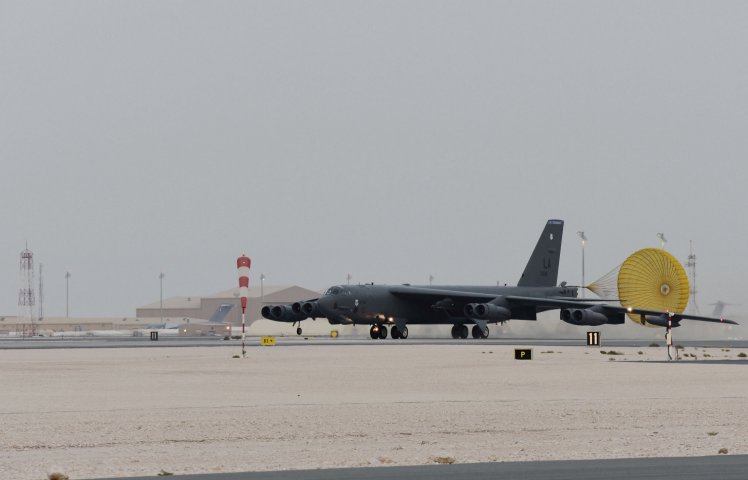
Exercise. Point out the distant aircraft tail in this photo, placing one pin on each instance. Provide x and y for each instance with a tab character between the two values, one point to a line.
220	314
542	268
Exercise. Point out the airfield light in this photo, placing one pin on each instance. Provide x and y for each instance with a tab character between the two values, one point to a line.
584	242
663	240
262	288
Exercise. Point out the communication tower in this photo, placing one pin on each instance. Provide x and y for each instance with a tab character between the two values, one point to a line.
26	298
691	266
41	293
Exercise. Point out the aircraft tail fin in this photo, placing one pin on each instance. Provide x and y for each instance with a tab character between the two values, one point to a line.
220	314
542	268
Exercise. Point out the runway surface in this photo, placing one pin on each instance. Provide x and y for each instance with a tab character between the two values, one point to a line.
176	341
724	467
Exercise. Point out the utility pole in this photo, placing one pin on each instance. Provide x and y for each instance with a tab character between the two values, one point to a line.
161	302
67	294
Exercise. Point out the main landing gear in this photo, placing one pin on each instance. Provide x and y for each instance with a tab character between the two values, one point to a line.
459	331
399	334
380	332
478	333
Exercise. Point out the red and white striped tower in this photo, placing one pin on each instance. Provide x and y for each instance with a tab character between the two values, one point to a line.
242	264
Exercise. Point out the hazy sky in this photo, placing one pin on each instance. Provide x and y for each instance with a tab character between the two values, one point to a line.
388	140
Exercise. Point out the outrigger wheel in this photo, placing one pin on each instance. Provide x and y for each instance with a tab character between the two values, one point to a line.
652	279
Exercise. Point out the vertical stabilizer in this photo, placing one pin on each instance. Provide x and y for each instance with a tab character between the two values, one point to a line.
542	268
220	314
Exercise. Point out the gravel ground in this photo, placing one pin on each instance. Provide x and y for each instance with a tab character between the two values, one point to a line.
93	413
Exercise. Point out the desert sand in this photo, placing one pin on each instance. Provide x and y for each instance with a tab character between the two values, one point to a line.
93	413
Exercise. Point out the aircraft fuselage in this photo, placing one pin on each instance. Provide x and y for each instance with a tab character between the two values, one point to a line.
372	304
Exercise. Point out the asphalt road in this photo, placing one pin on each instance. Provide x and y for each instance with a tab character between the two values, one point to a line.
723	467
176	341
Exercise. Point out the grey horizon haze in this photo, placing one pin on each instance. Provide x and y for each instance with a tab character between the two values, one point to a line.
388	140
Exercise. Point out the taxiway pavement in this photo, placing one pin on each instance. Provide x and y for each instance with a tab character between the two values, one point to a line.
721	467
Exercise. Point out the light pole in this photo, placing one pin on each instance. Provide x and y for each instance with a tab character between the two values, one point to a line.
161	297
262	289
431	280
663	240
67	294
348	279
584	242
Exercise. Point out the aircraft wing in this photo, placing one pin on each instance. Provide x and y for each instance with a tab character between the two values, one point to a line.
434	296
426	295
562	303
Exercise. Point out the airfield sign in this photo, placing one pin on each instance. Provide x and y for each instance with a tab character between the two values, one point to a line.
593	339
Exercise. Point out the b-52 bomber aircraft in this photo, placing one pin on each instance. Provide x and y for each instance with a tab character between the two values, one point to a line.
397	306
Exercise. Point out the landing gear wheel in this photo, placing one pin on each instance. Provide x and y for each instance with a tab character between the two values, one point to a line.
404	333
298	331
477	332
454	331
374	332
485	335
463	331
382	332
395	332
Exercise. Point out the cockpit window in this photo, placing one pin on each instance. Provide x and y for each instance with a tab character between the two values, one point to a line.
332	291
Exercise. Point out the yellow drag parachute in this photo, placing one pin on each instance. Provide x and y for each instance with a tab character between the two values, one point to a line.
650	279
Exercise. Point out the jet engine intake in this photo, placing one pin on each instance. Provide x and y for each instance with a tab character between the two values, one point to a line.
282	313
487	311
311	309
590	317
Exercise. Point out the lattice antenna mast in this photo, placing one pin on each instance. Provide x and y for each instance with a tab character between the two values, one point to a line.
41	292
26	297
691	266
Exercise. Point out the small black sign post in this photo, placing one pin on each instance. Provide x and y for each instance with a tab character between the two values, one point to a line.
593	339
154	336
523	353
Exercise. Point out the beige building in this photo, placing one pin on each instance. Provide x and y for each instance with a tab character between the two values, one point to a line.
15	326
